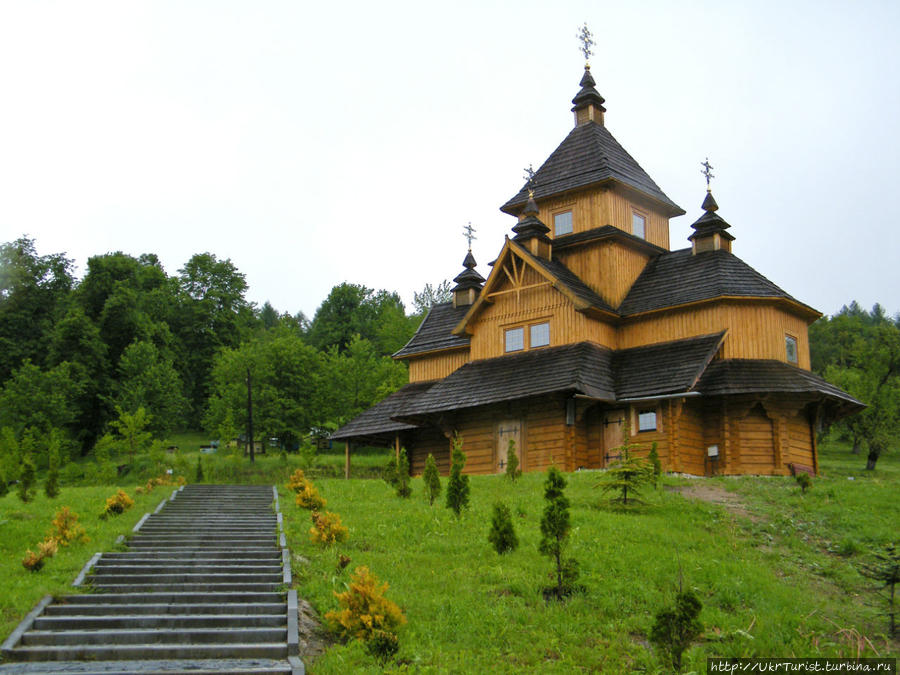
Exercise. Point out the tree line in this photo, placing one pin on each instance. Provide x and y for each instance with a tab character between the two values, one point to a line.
82	357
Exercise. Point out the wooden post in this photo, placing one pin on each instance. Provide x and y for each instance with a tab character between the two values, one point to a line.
397	447
347	459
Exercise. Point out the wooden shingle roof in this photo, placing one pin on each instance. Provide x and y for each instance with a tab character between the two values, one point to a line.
667	368
375	424
434	333
752	376
679	278
589	155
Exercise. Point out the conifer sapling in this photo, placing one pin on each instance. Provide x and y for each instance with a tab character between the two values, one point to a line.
677	627
51	487
403	488
432	479
655	464
502	534
512	461
555	527
26	479
458	484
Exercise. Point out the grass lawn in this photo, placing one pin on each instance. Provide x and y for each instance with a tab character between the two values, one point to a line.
775	570
22	526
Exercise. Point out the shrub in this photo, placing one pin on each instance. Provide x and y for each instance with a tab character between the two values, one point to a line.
297	481
66	528
555	527
389	473
502	534
431	479
366	615
25	489
458	484
512	461
677	627
32	561
47	548
117	504
403	488
309	498
885	569
327	529
804	481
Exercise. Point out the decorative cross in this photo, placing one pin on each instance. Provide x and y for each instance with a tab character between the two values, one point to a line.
469	234
707	171
586	38
529	180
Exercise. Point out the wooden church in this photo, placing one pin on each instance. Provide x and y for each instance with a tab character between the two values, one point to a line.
589	326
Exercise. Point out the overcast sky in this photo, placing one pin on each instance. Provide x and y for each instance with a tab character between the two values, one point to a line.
319	142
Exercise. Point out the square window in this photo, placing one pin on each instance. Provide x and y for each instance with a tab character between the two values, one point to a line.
638	225
790	348
515	339
540	335
562	223
647	420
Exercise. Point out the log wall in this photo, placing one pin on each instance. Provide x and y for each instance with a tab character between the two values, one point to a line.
436	366
609	268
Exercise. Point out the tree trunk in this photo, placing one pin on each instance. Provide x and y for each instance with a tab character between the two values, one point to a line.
856	446
874	454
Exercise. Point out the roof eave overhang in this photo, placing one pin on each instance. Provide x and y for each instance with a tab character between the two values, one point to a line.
428	352
794	306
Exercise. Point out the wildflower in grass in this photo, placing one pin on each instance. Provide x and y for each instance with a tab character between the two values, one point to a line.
432	479
502	534
366	615
327	528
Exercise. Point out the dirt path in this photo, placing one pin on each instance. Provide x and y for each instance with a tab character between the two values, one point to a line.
717	495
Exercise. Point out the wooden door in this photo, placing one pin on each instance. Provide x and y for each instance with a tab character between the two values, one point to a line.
508	430
613	427
757	443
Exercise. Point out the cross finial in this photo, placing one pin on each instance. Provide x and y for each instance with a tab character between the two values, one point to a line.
529	180
469	234
707	171
586	38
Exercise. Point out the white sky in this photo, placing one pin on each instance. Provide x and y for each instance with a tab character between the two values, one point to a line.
320	142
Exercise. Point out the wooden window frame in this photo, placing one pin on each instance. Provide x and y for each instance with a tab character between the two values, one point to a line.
643	215
637	411
558	212
531	327
506	332
787	355
525	327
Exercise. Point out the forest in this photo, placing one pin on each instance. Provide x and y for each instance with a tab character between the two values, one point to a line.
128	349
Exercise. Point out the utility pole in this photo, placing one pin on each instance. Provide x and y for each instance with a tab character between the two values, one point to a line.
250	415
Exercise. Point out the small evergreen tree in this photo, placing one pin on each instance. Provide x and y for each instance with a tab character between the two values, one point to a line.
389	473
555	527
804	481
502	534
677	627
403	488
458	484
51	487
198	478
432	479
655	464
885	569
629	474
26	477
512	461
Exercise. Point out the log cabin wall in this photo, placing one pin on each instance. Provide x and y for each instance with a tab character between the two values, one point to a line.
594	208
756	329
533	305
420	442
437	365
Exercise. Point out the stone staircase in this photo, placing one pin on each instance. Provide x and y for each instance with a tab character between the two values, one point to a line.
202	589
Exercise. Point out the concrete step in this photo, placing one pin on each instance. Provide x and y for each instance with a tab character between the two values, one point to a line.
256	666
234	557
171	598
259	587
174	567
160	636
190	619
274	650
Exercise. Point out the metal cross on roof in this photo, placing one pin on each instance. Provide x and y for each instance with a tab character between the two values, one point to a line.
469	234
529	179
587	41
707	171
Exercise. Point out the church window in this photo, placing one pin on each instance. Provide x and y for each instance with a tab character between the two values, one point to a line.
515	339
638	225
790	348
540	335
562	223
647	419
